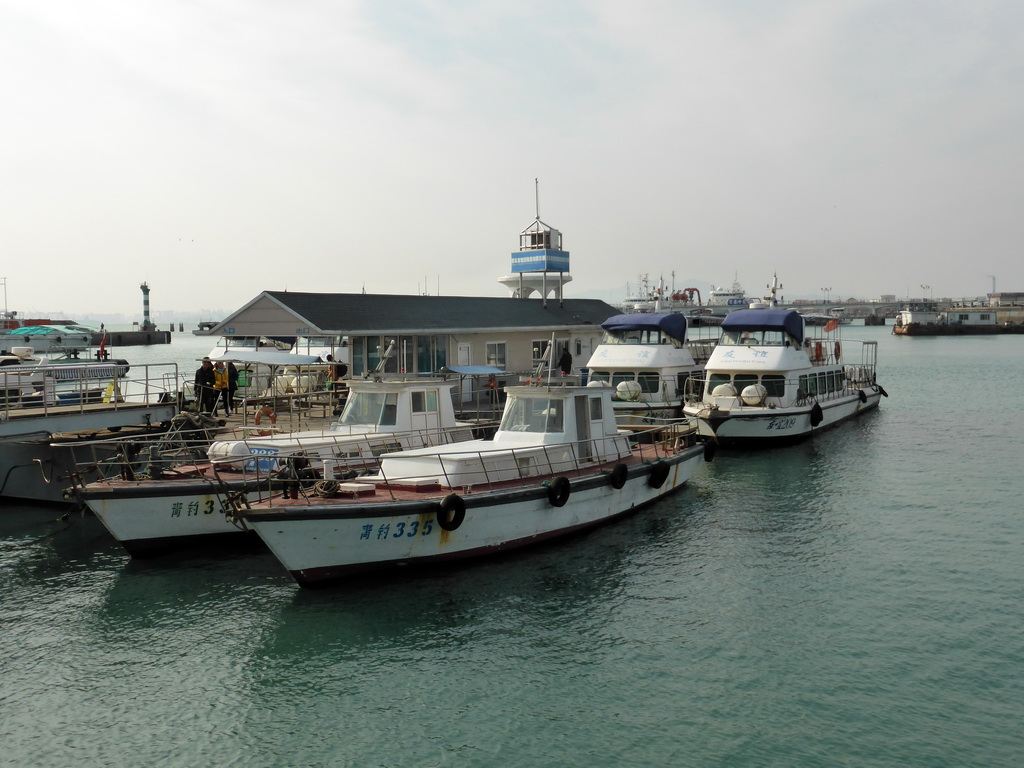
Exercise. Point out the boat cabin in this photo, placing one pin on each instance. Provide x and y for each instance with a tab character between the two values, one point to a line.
541	427
647	357
385	408
766	357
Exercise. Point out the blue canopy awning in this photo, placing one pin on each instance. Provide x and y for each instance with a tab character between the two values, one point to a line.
671	324
787	320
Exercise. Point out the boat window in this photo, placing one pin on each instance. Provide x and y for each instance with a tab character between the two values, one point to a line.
424	402
762	338
620	376
389	416
809	384
744	380
649	382
533	414
596	412
717	378
370	408
599	376
774	384
681	382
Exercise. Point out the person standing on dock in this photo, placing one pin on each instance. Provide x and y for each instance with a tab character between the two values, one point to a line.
220	388
204	386
232	384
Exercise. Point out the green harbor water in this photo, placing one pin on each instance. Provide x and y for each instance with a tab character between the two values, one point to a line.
855	600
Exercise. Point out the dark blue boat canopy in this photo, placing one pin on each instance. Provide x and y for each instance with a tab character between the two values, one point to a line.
787	320
671	324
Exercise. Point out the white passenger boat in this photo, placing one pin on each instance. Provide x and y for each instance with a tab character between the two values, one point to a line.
772	378
42	419
166	500
557	464
646	359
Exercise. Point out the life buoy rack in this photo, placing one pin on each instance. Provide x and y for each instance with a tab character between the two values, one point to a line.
451	512
838	350
659	474
558	491
272	416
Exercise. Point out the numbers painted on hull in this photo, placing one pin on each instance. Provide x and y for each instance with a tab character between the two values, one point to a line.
398	530
781	424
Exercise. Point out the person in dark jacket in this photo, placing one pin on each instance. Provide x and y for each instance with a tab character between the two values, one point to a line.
565	362
205	393
232	385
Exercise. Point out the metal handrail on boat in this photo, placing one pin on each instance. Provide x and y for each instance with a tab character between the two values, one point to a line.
146	384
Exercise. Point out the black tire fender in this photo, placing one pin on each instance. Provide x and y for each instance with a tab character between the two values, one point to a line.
451	512
710	449
862	395
816	415
659	474
558	491
618	476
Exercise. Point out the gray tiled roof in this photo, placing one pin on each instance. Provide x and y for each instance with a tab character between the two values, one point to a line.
371	313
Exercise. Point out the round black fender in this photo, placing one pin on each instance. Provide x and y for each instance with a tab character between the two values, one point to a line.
816	415
451	512
558	491
710	449
862	395
618	476
880	389
659	474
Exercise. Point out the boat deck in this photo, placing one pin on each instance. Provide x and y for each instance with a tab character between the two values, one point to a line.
419	489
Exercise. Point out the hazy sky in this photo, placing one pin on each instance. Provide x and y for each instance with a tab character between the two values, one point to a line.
220	148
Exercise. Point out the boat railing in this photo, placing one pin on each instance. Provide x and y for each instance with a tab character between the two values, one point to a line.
183	451
514	467
37	389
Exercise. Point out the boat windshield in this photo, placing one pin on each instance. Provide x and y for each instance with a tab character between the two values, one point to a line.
639	336
533	414
761	338
379	408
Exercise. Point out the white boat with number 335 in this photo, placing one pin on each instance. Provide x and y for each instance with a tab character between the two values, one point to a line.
557	464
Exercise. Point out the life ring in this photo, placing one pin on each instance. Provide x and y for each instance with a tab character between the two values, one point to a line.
839	349
816	415
818	354
451	512
862	395
558	491
618	476
273	420
659	474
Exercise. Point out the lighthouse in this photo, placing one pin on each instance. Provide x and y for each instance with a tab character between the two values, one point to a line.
147	324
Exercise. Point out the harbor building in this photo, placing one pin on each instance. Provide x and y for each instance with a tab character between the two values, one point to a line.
419	334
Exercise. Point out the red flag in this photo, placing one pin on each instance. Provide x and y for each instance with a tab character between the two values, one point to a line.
831	325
